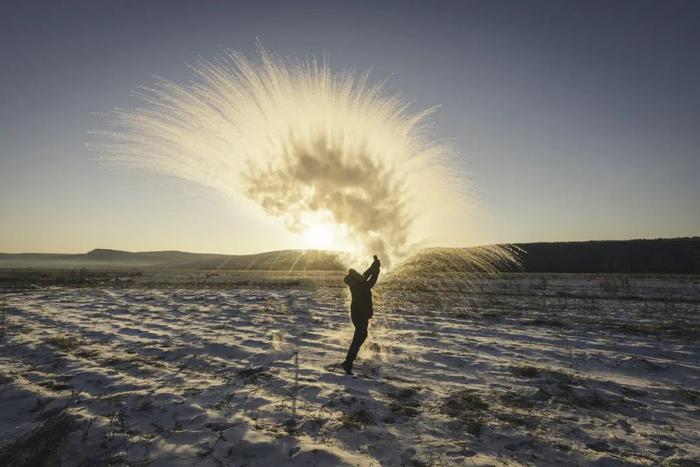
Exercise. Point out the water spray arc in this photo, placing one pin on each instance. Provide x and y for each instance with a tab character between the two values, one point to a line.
299	142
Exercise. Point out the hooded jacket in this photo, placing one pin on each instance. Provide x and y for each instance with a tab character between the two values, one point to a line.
361	291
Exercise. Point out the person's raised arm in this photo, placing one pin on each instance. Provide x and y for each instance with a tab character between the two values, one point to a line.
375	265
372	273
373	278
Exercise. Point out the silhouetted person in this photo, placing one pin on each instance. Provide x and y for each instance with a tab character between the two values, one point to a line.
360	308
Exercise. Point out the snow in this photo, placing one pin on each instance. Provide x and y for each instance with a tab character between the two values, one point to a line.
531	369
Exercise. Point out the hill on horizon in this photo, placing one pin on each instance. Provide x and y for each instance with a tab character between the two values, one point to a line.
107	258
674	255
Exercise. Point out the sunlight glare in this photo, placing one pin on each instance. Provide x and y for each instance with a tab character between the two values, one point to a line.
319	237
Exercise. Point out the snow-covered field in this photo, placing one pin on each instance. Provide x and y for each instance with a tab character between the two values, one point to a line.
215	370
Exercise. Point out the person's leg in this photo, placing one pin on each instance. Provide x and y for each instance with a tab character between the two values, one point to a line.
357	339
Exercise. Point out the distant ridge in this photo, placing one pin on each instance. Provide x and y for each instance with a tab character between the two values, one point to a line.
101	258
670	255
673	255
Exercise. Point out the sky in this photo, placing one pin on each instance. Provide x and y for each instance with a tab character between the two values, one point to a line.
574	120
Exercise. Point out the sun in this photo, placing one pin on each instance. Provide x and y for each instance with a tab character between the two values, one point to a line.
319	236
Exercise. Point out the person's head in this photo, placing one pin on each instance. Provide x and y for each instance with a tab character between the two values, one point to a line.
353	277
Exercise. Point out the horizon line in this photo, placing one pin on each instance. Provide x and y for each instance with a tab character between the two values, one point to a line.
687	237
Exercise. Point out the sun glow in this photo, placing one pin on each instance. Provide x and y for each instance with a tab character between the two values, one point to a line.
319	237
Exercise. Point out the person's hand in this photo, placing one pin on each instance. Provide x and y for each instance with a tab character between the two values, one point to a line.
376	263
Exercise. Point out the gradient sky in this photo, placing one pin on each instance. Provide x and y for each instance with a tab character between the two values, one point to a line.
575	120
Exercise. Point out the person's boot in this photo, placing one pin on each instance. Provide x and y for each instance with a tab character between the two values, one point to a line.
347	367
